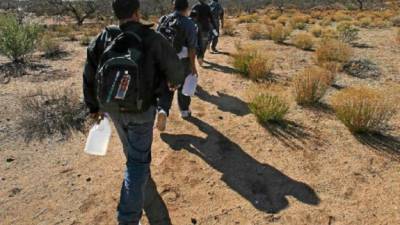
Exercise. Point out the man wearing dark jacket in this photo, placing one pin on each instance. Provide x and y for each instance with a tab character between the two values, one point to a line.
218	14
206	24
158	62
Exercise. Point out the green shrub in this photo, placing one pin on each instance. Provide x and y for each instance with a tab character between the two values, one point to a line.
17	40
268	108
347	32
363	109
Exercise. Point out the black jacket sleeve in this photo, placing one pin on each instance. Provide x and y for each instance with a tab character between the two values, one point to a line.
168	61
89	74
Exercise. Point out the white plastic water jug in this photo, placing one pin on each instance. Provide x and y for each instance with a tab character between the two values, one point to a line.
190	85
99	137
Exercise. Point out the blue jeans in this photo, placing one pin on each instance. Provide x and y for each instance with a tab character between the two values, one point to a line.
136	138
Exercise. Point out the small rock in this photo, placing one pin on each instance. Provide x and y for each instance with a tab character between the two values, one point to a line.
10	159
14	192
88	179
220	117
194	221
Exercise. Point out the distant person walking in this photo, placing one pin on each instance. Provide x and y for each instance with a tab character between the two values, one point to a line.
182	33
206	23
124	66
217	12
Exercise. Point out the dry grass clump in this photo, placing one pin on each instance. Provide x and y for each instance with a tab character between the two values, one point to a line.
396	21
316	30
365	22
50	46
329	33
45	114
258	32
229	28
311	85
248	18
363	109
398	36
303	41
340	16
252	63
85	40
333	52
280	33
299	21
283	19
269	108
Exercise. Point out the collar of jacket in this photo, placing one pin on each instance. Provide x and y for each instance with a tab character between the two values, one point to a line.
133	26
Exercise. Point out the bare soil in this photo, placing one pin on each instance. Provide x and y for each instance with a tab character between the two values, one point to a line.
220	168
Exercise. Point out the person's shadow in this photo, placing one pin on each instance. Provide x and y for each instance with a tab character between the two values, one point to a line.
265	187
225	102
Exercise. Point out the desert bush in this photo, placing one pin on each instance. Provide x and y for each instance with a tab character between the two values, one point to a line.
365	22
46	114
258	32
299	21
280	33
341	16
332	51
363	109
316	30
327	21
273	15
50	46
282	19
267	108
347	32
398	36
229	28
62	30
329	33
17	40
251	63
311	85
248	18
303	41
396	21
85	40
362	68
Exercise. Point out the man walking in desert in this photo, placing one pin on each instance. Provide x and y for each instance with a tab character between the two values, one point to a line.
124	67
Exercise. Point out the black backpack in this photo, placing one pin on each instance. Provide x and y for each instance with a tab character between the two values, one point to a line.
170	28
119	75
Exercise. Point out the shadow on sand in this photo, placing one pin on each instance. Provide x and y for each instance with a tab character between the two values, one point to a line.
265	187
225	102
289	133
219	68
381	142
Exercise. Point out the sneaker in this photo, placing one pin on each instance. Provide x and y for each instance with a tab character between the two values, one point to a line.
186	114
161	123
215	51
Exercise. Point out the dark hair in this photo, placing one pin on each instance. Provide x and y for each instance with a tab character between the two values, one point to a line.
180	5
124	9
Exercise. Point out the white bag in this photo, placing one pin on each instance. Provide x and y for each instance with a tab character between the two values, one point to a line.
99	137
190	85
